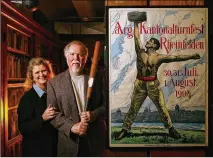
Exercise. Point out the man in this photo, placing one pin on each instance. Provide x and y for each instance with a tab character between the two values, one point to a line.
146	83
80	133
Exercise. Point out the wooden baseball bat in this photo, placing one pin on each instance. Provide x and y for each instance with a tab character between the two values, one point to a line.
93	69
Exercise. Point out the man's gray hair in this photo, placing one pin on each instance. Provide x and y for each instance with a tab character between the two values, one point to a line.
66	48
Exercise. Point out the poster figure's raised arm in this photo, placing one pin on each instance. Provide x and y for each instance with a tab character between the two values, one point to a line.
137	17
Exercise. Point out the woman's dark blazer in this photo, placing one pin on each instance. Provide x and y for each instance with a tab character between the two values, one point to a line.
39	136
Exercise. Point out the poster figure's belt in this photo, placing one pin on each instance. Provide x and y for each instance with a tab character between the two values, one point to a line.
149	78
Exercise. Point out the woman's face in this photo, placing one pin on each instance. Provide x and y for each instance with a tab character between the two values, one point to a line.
40	75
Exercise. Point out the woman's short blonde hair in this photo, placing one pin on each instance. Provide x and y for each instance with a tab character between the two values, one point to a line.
35	62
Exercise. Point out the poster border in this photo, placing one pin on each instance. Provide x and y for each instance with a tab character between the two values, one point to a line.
207	47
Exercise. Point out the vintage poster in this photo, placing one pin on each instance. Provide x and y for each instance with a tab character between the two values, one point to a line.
158	77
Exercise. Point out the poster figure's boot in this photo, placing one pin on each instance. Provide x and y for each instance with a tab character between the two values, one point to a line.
173	133
121	135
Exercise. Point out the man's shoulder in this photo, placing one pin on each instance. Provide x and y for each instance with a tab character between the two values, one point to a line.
58	77
99	74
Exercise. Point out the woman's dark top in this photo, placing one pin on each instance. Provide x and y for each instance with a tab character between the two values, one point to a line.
39	136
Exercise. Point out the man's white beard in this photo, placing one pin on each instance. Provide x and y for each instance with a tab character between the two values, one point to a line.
76	71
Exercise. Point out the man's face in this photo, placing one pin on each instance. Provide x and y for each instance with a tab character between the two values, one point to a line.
76	58
150	44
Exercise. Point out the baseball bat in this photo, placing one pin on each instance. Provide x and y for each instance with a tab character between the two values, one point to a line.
93	70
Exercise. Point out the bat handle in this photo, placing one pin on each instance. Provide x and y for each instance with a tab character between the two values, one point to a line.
86	104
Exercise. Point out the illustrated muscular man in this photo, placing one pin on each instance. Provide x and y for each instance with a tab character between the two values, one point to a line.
146	83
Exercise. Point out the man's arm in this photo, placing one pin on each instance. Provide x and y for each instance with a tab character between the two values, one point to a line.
174	58
138	44
99	111
60	122
137	17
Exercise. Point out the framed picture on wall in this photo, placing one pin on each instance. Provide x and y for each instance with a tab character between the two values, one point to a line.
158	77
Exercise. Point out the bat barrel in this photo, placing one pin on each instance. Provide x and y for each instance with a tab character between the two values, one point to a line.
93	70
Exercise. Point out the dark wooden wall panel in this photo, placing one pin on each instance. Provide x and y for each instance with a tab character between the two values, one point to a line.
176	2
178	153
126	3
109	153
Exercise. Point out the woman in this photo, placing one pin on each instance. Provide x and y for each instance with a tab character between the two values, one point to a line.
39	136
